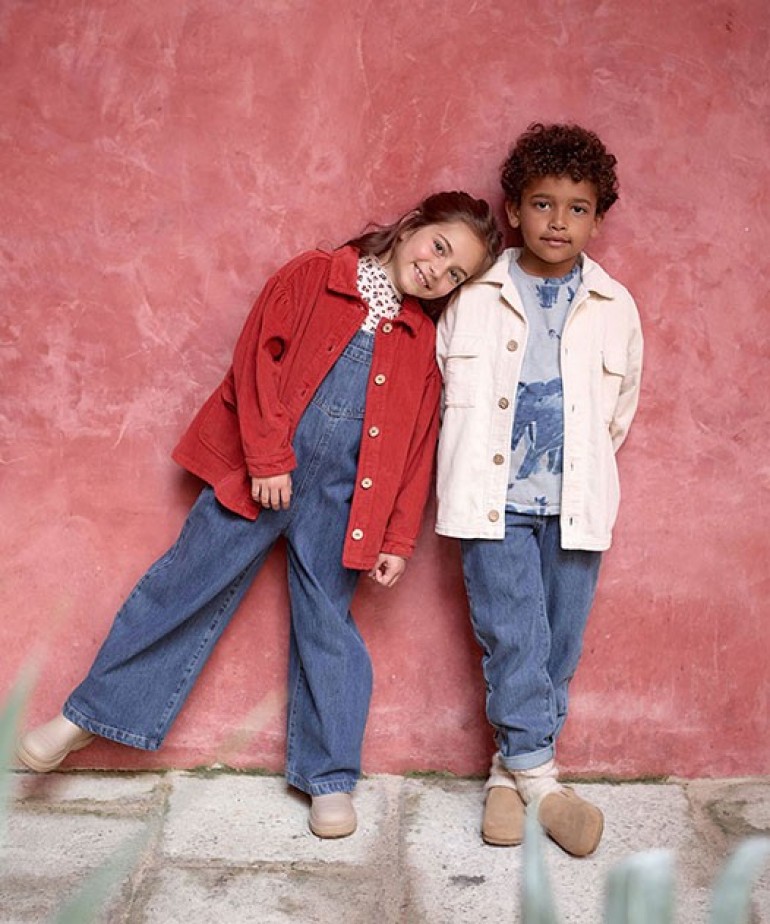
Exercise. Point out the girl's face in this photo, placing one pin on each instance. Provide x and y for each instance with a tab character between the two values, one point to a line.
432	260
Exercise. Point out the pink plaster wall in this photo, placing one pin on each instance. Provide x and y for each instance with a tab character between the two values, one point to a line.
159	159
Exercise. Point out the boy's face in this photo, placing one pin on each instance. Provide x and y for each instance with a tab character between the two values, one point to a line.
557	218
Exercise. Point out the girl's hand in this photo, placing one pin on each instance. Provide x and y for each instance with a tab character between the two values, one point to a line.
387	569
274	491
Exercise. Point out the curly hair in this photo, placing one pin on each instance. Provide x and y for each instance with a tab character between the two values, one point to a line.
560	150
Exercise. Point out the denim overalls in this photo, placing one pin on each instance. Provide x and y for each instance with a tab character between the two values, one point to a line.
171	621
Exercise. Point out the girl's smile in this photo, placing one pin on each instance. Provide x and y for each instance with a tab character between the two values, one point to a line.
433	260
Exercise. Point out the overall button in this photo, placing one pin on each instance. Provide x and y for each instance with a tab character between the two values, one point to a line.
498	458
493	516
374	431
504	403
366	482
512	346
357	534
387	327
379	379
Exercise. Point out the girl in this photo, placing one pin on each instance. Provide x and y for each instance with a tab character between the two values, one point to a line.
322	431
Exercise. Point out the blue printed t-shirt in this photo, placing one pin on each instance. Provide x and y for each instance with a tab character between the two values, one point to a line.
537	444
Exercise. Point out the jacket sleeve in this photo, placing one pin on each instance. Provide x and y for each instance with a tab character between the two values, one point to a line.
444	332
264	421
628	399
405	520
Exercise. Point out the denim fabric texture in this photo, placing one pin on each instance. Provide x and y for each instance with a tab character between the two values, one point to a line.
529	601
169	624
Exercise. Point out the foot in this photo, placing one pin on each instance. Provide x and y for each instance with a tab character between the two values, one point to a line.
572	822
503	822
332	815
46	746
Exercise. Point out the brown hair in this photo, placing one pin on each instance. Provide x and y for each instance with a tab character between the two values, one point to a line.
439	208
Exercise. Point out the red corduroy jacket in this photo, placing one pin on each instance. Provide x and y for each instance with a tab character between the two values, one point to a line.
296	331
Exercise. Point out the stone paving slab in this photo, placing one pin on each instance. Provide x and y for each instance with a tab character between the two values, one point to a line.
235	847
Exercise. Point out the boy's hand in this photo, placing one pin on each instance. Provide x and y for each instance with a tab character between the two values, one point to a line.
387	569
274	491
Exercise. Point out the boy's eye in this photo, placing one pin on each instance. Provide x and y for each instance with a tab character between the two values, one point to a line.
579	209
541	206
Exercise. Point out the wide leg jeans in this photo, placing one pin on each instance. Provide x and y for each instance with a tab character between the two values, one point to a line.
169	624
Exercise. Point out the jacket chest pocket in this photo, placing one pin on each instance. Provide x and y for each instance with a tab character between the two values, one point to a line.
614	366
462	371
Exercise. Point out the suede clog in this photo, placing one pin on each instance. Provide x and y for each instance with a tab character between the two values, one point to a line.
503	821
573	823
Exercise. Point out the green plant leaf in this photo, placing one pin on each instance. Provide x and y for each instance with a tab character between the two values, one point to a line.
732	892
640	890
537	905
10	718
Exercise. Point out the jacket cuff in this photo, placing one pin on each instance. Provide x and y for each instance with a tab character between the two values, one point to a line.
397	545
262	467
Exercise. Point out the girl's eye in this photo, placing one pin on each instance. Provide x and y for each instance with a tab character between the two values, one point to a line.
439	245
455	277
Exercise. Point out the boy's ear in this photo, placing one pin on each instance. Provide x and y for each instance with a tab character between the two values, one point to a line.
512	211
598	219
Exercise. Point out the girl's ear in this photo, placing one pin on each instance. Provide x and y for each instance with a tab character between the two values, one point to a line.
512	211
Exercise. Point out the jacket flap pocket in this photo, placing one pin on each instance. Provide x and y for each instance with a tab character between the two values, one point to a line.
615	362
464	345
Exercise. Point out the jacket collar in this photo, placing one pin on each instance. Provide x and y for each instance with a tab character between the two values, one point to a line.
595	279
343	270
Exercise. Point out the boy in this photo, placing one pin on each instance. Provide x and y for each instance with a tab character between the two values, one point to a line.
541	359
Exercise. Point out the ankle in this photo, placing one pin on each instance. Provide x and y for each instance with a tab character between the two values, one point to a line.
499	775
536	783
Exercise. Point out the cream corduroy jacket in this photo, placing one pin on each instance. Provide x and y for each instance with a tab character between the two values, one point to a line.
481	341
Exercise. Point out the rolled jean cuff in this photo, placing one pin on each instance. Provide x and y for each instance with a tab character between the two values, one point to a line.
530	760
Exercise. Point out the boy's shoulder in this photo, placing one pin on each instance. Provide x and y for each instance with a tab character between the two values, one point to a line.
486	287
597	280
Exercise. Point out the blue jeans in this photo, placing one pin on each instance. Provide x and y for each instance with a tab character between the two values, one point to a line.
171	621
529	601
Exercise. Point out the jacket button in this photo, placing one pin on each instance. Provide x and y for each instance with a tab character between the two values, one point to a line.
379	379
512	346
374	431
493	516
357	534
504	403
387	327
366	482
498	458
